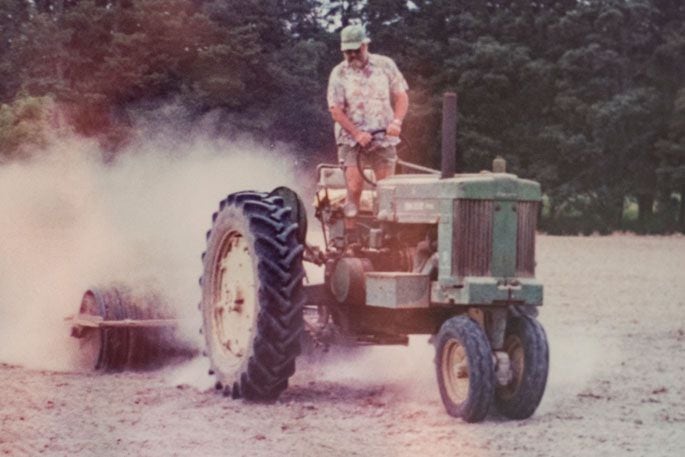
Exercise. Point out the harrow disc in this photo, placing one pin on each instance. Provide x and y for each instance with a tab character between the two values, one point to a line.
121	330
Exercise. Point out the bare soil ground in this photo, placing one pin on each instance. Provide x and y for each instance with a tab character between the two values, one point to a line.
614	314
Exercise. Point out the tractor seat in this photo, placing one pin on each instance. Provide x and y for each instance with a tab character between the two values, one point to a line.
332	183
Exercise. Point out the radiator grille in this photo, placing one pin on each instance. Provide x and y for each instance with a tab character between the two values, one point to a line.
473	227
525	238
472	237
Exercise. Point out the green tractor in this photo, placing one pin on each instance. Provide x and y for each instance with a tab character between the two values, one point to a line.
438	253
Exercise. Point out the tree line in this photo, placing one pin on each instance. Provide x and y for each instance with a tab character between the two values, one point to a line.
585	96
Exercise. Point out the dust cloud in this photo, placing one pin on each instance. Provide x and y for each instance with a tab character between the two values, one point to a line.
70	222
402	371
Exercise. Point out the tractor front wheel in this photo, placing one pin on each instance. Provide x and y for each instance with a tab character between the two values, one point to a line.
465	368
526	344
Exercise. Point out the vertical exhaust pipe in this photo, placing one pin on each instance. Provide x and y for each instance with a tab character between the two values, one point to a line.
449	135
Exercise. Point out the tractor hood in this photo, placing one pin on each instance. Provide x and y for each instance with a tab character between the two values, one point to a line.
420	198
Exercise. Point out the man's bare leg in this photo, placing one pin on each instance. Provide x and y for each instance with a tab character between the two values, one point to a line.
355	181
355	185
384	169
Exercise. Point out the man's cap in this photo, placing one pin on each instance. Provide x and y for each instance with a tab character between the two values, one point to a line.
352	37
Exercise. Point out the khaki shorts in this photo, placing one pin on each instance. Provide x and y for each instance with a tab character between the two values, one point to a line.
381	157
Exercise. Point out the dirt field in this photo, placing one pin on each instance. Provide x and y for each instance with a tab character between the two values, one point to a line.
615	317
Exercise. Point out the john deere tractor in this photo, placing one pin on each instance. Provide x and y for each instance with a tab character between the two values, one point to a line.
433	252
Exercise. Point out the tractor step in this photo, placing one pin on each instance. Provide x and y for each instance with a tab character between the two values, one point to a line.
397	290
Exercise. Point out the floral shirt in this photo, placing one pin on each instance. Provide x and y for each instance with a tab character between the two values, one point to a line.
364	95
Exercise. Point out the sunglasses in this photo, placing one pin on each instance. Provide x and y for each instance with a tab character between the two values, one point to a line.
351	52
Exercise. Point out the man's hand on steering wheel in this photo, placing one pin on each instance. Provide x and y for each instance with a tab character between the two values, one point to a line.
363	138
394	128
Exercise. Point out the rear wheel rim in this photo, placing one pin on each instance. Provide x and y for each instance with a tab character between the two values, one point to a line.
234	306
455	371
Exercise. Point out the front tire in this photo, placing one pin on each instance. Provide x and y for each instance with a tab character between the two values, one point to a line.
526	344
252	296
464	368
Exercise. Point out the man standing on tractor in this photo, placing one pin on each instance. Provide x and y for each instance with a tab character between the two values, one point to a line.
366	93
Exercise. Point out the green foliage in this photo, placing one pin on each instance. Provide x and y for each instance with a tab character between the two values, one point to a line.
25	125
586	97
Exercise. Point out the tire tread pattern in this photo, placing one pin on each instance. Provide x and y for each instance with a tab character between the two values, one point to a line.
481	370
278	256
526	399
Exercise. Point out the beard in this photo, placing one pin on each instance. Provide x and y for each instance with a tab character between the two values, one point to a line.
357	62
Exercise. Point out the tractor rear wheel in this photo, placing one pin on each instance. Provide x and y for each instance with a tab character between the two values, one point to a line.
526	344
464	368
252	295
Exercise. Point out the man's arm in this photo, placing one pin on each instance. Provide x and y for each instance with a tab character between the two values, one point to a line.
336	99
400	103
339	116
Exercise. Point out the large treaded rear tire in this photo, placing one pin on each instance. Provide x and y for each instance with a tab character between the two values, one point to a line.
252	295
526	344
464	368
